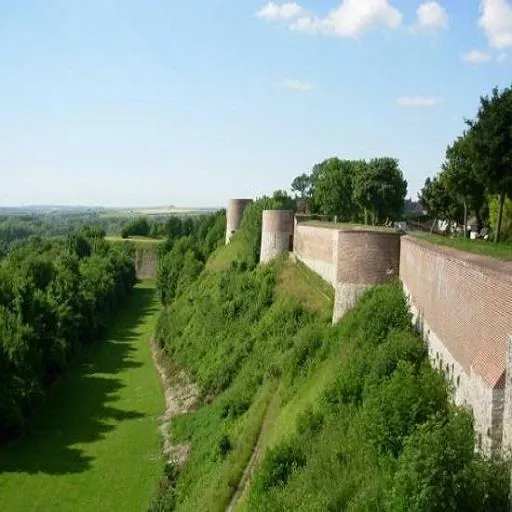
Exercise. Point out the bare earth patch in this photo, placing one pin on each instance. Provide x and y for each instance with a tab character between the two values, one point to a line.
180	397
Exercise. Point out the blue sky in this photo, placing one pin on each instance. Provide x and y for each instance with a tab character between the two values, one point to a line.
131	102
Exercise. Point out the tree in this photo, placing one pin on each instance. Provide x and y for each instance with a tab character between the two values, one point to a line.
136	227
436	198
380	187
302	186
332	182
461	177
491	132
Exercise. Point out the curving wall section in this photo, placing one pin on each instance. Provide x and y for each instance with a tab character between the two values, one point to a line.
363	259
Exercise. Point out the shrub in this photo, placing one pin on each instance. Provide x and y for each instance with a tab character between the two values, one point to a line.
278	465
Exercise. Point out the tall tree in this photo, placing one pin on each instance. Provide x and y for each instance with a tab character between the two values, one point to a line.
302	186
380	188
462	179
332	182
491	132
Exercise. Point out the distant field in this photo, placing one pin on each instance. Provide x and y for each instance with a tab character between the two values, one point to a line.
138	241
94	446
501	251
156	211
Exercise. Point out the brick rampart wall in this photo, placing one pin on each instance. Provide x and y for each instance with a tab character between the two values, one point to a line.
462	304
367	257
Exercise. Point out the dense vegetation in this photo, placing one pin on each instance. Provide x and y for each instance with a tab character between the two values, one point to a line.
54	298
347	417
136	227
476	177
94	444
182	257
16	229
354	190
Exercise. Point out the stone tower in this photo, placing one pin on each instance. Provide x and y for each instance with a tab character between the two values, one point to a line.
363	259
234	215
276	234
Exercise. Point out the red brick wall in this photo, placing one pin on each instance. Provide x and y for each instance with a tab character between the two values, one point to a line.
314	242
466	300
367	257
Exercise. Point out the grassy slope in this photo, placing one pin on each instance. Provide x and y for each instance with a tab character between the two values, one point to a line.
267	413
94	445
297	379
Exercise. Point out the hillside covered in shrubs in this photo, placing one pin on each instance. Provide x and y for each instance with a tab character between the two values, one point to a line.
347	417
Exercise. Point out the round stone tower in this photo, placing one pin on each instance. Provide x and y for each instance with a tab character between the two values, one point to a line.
364	259
234	215
276	234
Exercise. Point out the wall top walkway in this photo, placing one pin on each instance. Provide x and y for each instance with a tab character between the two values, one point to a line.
478	262
340	226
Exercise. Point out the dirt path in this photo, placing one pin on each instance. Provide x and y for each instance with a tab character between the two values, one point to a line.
244	482
180	397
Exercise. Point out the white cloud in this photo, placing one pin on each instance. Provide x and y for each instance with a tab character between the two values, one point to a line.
418	101
351	18
476	57
296	85
285	11
431	16
496	20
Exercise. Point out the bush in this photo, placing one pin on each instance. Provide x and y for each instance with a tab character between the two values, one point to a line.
136	227
278	465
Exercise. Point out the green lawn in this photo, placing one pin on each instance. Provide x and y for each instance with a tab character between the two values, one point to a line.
94	445
501	251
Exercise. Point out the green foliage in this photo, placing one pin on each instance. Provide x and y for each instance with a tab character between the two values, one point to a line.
333	188
302	186
250	227
382	436
478	164
54	298
136	227
348	189
185	252
278	466
438	470
380	187
506	226
94	444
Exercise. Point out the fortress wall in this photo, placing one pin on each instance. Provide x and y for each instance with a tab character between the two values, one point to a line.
462	304
362	259
316	247
146	263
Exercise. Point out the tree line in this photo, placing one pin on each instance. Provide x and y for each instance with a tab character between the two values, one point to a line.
182	256
55	296
354	190
476	176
